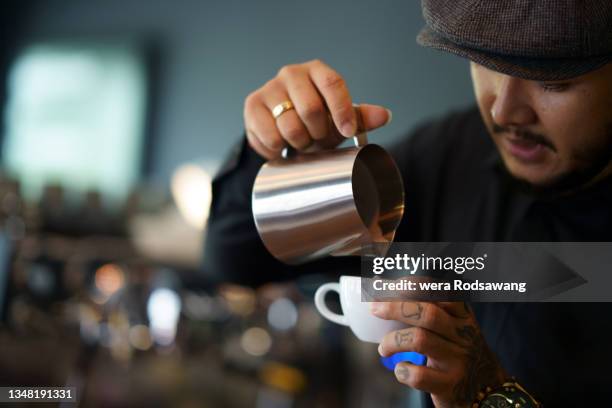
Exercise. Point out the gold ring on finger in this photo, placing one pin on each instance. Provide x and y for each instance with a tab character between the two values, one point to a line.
282	108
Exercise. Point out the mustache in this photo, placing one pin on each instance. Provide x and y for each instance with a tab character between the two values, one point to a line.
527	135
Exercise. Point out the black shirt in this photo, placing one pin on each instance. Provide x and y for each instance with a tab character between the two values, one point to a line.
456	190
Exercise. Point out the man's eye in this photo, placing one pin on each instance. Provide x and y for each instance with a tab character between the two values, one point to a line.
554	87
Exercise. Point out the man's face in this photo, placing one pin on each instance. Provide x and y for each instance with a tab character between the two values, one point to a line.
554	136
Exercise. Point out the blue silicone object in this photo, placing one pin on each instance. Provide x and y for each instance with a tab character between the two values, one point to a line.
410	356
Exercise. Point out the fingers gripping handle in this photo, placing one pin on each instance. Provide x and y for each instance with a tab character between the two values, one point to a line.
360	139
319	300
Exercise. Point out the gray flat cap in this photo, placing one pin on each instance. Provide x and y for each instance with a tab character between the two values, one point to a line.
543	40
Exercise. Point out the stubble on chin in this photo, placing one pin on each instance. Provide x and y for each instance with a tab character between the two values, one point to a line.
589	166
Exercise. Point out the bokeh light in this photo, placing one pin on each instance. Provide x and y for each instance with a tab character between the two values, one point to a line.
163	309
256	341
192	191
139	337
282	314
109	278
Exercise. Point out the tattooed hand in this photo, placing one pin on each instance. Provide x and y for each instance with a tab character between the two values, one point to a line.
459	362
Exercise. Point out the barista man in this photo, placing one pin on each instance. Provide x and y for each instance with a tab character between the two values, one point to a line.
531	162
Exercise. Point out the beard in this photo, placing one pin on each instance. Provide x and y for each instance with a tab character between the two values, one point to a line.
590	163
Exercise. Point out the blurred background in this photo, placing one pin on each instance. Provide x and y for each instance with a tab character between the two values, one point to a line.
115	117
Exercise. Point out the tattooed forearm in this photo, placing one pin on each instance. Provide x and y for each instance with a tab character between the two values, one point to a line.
403	337
482	365
412	310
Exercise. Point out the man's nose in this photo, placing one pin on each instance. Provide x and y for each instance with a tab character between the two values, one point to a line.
512	106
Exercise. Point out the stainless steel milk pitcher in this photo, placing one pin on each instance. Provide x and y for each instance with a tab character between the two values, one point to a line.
333	202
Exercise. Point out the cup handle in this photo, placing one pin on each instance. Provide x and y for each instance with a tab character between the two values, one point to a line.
360	139
319	300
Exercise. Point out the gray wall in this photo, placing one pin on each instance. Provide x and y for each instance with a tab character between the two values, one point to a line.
215	53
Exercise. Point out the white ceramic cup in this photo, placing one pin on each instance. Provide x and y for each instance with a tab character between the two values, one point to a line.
356	314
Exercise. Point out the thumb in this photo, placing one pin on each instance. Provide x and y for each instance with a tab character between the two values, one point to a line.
374	116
